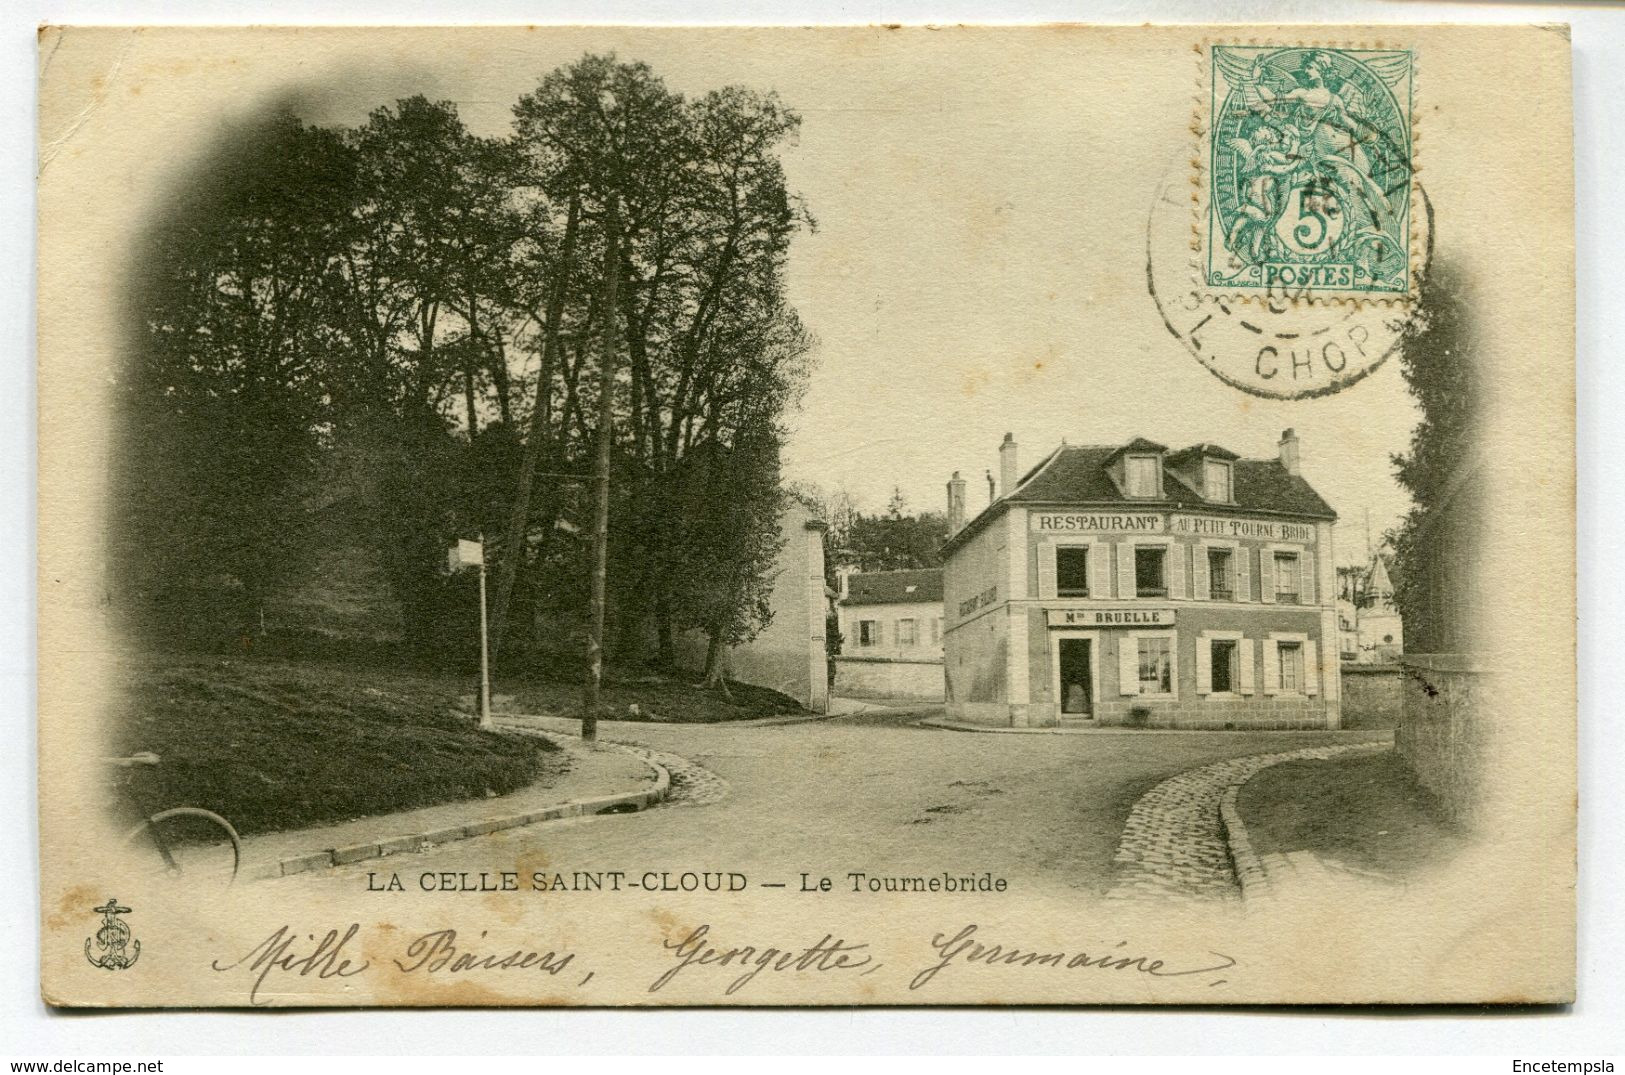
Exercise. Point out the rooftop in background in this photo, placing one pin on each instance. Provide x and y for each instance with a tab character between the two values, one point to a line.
895	587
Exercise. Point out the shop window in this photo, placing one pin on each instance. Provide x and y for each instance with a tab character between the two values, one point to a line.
908	633
1225	670
1142	475
1148	571
1216	481
1286	578
1221	583
868	633
1072	571
1156	666
1290	655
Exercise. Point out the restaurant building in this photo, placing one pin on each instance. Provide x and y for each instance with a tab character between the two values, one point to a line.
1134	585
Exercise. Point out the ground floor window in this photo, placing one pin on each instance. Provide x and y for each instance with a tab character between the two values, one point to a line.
867	633
1291	657
1156	666
1224	666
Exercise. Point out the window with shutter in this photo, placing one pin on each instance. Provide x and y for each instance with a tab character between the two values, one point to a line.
1150	571
1272	667
1100	571
1306	584
1222	664
1266	576
1046	569
1125	570
1311	669
1220	587
1286	578
1176	571
1072	571
1128	666
1200	585
1204	665
1244	577
1244	665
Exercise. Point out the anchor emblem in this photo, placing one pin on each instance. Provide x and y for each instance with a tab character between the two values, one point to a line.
113	938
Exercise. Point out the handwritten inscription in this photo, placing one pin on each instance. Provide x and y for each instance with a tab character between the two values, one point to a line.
282	956
963	948
275	966
829	954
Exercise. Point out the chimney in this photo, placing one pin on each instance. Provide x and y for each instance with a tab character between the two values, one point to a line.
992	490
1289	451
1008	473
956	504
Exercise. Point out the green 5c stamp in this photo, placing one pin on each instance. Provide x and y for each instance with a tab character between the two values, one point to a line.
1309	172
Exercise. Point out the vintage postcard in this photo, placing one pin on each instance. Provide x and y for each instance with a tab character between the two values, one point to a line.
1047	515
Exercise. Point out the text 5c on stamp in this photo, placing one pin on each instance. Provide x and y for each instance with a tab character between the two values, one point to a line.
1309	167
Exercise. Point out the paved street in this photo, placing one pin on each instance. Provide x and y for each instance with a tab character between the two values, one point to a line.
871	792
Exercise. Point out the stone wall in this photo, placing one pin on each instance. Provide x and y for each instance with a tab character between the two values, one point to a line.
1373	695
889	677
1441	735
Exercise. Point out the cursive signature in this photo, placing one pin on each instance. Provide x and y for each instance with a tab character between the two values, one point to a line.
961	948
279	952
829	954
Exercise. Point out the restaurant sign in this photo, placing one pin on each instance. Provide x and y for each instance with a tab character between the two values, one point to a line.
1223	527
1097	522
1110	617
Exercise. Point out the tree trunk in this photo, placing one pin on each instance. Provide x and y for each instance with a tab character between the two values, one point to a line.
715	665
606	437
538	442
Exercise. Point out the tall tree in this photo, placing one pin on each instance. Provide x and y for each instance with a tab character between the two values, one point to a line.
224	392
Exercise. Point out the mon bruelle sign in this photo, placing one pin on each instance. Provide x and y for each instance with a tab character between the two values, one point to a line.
1110	617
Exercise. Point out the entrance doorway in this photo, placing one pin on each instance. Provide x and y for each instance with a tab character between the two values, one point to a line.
1077	677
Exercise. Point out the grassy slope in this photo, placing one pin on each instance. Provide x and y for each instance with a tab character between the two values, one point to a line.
1365	812
275	744
658	699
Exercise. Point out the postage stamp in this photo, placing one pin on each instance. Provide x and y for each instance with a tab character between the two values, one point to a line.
1309	156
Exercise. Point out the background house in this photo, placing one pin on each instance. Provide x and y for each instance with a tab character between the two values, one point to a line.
891	635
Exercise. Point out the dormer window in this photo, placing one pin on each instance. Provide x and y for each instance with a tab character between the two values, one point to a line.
1216	481
1143	473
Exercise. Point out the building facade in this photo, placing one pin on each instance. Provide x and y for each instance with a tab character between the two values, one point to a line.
891	635
1133	585
1370	628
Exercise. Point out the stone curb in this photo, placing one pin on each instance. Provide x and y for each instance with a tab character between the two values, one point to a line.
630	801
1256	882
1251	875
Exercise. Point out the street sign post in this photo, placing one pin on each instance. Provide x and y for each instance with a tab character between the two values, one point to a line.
466	554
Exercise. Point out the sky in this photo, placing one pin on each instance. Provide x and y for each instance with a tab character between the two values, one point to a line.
978	262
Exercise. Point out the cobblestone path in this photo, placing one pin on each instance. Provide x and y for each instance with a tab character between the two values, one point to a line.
691	785
1173	846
